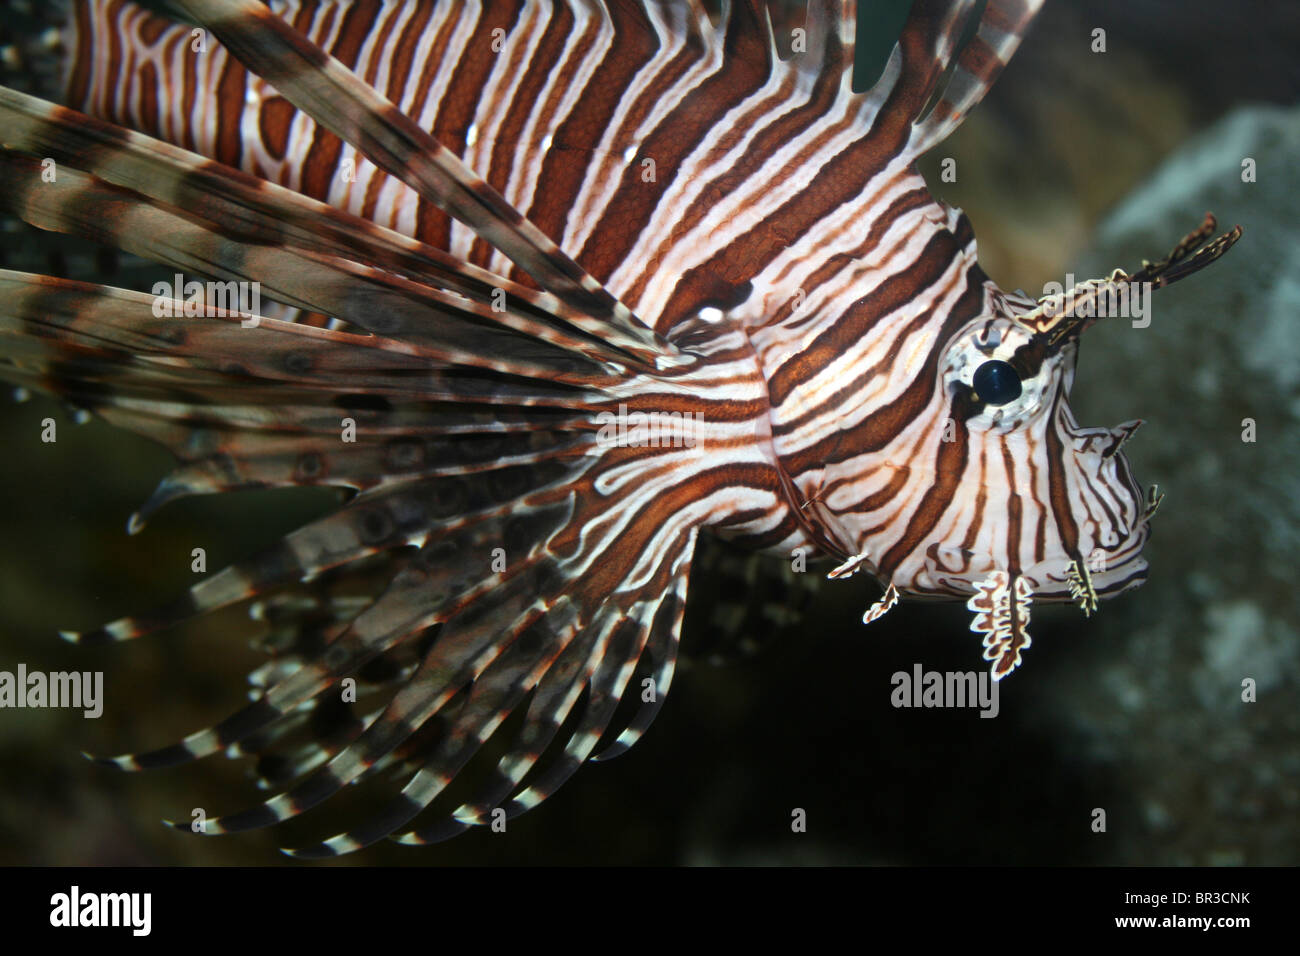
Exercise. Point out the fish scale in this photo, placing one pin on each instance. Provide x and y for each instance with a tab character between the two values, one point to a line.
531	229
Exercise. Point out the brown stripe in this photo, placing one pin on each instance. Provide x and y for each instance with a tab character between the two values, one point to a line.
402	53
149	118
273	123
187	83
322	161
1101	499
1014	512
981	499
605	577
358	21
838	182
837	262
893	294
118	67
1040	534
523	95
380	51
949	469
882	426
878	499
753	166
459	105
745	68
153	28
230	95
1058	490
432	225
565	168
77	91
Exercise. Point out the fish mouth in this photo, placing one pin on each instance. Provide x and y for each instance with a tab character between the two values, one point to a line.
1052	585
951	574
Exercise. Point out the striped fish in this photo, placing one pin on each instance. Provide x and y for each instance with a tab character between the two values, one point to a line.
553	288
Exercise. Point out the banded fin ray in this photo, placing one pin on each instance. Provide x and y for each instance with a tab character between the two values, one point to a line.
434	586
363	295
494	694
253	210
380	520
470	647
322	87
977	64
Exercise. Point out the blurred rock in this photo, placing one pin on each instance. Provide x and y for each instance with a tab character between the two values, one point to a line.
1217	775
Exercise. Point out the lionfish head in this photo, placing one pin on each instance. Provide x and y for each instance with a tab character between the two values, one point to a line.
1056	503
1004	497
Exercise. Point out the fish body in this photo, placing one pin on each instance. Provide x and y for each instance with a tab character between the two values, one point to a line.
554	289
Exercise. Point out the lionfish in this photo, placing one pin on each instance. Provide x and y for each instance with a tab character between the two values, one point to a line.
555	287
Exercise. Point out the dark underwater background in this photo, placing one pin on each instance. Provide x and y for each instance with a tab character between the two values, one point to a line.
1076	162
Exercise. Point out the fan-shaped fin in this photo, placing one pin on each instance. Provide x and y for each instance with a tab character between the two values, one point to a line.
468	644
659	661
503	684
380	520
603	660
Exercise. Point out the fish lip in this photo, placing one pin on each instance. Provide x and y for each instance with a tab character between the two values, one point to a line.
1049	579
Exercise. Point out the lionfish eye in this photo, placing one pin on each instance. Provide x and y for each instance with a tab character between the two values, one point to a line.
996	382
